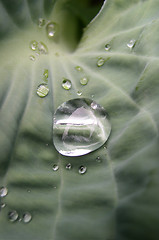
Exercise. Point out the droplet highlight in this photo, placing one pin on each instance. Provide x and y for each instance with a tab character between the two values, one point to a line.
107	47
100	62
52	30
42	90
84	81
3	191
82	169
68	166
27	217
13	216
55	167
79	128
66	84
131	44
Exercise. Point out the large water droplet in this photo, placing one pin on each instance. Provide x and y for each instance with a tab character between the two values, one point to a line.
34	45
68	166
41	22
13	216
100	62
42	48
3	191
107	47
66	84
55	167
27	217
52	29
42	90
131	44
79	128
82	169
84	81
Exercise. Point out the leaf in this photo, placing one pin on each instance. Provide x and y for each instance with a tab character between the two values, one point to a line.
118	197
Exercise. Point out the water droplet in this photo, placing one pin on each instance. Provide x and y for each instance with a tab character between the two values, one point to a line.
3	191
84	81
42	48
94	105
34	45
79	129
42	90
79	93
107	47
52	29
32	57
41	22
82	170
131	44
13	216
68	166
78	68
46	73
100	62
55	167
3	205
27	217
66	84
98	159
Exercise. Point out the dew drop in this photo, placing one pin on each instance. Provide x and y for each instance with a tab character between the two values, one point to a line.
107	47
78	68
100	62
82	169
78	128
3	191
27	217
34	45
68	166
3	205
79	93
52	30
66	84
84	81
32	57
42	48
131	44
41	22
13	216
55	167
42	90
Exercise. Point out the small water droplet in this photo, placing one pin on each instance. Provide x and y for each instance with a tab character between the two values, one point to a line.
94	105
100	62
55	187
41	22
131	44
82	169
3	191
28	190
78	68
55	167
3	205
68	166
52	29
92	95
42	90
98	159
42	48
79	93
13	216
27	217
46	73
107	47
34	45
32	57
78	128
66	84
84	81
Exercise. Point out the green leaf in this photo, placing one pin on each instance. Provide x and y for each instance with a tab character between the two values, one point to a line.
117	198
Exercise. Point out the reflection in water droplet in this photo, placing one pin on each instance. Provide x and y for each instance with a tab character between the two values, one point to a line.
107	47
79	93
41	22
131	44
55	167
27	217
42	48
3	191
52	29
32	57
100	62
68	166
42	90
84	81
78	128
3	205
82	170
78	68
34	45
66	84
13	216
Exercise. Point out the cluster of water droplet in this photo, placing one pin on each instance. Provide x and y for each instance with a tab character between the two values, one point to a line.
81	170
38	48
